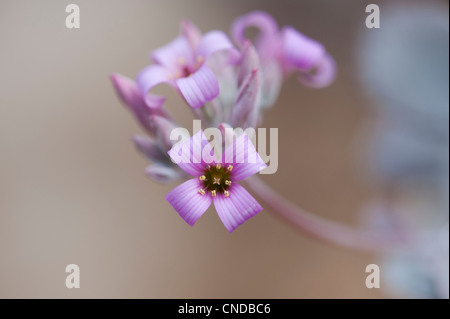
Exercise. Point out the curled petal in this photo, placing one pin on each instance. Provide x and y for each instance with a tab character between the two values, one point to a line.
130	95
212	42
188	202
246	109
259	19
237	208
193	155
200	87
243	157
150	148
175	54
163	173
323	74
300	51
149	78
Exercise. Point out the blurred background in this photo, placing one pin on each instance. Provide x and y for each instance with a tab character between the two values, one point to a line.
73	189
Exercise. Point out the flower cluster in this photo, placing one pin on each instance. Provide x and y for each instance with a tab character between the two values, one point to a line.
225	84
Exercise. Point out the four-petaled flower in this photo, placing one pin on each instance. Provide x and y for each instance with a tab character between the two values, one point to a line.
215	180
182	64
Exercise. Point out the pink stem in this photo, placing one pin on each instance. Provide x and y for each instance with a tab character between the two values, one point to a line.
324	229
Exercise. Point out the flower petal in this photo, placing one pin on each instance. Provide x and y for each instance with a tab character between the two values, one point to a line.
243	157
237	208
149	78
300	51
324	74
188	202
259	19
200	87
193	155
212	42
175	54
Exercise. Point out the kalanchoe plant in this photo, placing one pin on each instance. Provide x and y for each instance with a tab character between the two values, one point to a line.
228	86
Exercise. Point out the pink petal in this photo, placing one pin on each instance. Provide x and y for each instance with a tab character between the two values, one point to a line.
175	54
188	202
243	157
200	87
130	95
193	155
212	42
237	208
149	78
259	19
300	51
324	74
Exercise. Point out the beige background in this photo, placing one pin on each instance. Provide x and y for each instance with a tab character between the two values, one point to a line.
72	188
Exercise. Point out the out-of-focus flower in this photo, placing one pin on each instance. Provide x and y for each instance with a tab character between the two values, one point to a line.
290	49
182	64
215	181
405	66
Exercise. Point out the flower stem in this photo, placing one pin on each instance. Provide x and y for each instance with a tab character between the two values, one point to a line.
325	229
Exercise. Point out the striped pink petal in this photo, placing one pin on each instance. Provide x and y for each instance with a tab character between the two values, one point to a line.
244	158
200	87
193	155
237	208
188	202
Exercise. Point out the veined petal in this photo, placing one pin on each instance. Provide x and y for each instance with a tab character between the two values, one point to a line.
200	87
175	54
237	208
324	73
259	19
163	173
212	42
188	202
149	78
243	157
300	51
193	155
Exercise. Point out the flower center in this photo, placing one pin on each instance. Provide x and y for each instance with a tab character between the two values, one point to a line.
216	180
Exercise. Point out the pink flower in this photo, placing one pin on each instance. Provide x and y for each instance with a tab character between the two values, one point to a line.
215	180
182	64
291	49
